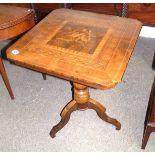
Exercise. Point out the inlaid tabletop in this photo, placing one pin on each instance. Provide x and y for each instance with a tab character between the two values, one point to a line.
88	48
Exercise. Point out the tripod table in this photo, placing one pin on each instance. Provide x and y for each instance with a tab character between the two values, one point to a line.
91	50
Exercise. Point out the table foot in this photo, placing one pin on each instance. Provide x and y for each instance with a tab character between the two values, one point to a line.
101	112
65	116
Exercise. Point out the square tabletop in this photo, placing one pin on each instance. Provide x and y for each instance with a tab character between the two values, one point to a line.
88	48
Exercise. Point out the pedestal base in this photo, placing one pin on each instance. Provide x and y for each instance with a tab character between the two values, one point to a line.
82	101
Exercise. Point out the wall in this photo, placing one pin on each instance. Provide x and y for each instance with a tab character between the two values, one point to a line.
147	32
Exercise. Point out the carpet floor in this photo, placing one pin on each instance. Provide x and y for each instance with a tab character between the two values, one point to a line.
25	122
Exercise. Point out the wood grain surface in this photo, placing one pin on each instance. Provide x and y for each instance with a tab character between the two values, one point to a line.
144	12
87	48
14	21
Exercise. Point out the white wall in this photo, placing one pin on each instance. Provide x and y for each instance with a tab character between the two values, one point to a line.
147	31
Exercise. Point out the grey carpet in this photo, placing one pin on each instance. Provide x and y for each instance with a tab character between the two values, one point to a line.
25	122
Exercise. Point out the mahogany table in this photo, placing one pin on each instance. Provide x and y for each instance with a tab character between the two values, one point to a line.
149	124
13	22
91	50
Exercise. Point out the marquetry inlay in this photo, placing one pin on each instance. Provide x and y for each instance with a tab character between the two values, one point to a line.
78	37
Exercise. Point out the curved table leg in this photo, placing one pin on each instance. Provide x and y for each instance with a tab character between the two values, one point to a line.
82	101
65	116
101	111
